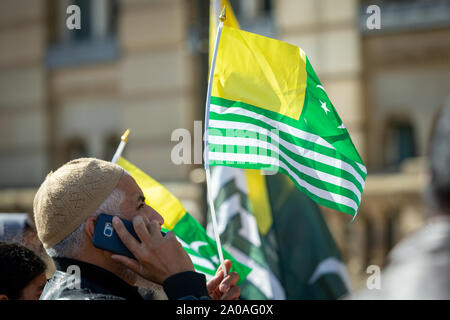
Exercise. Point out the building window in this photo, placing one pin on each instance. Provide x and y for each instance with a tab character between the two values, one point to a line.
255	16
95	42
76	148
86	31
400	142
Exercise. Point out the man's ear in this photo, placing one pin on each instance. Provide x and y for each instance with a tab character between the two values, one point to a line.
89	226
3	297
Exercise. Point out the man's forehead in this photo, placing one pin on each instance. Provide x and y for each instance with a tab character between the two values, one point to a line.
131	188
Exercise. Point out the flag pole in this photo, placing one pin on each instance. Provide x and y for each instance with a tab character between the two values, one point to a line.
123	142
206	151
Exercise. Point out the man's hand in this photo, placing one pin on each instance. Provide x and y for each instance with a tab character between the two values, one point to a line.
220	288
157	257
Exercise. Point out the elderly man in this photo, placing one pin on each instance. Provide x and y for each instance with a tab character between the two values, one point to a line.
66	207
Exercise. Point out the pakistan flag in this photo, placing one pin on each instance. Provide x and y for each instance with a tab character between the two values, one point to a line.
266	223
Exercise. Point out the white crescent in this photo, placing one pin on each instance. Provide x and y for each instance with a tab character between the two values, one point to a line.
197	244
319	86
331	265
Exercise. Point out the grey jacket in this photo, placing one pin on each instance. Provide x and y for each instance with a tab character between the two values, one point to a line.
95	283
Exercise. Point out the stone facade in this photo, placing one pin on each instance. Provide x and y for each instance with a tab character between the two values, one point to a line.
23	98
55	106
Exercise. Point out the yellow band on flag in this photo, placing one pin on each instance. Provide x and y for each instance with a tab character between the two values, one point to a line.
259	199
259	71
156	196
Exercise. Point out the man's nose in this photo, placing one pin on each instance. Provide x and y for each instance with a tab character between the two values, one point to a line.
153	215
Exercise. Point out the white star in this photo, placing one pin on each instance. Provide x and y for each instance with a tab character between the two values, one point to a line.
342	126
324	107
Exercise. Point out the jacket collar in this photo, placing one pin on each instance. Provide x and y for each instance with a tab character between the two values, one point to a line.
99	280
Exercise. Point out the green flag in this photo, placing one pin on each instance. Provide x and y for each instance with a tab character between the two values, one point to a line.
310	264
269	111
266	222
287	243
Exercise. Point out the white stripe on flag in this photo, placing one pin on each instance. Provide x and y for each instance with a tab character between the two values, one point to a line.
260	159
363	168
231	207
276	124
312	155
222	175
338	181
261	277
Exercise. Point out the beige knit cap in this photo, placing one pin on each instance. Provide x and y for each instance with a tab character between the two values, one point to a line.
70	195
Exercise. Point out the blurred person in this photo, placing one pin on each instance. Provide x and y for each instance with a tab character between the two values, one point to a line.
66	208
419	266
13	226
22	273
19	228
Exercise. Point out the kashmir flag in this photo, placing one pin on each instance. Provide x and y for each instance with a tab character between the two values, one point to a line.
269	225
269	111
200	247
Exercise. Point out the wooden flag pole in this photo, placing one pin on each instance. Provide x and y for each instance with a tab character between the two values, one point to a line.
206	152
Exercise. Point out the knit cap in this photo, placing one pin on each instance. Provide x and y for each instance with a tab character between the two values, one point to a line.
70	195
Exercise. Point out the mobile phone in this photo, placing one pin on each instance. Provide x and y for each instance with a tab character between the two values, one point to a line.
106	238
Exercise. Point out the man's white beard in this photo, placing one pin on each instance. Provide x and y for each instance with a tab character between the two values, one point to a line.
128	275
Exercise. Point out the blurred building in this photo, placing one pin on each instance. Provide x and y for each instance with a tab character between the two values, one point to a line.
387	85
66	93
142	64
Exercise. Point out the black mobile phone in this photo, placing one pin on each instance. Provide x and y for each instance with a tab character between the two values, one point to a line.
106	238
